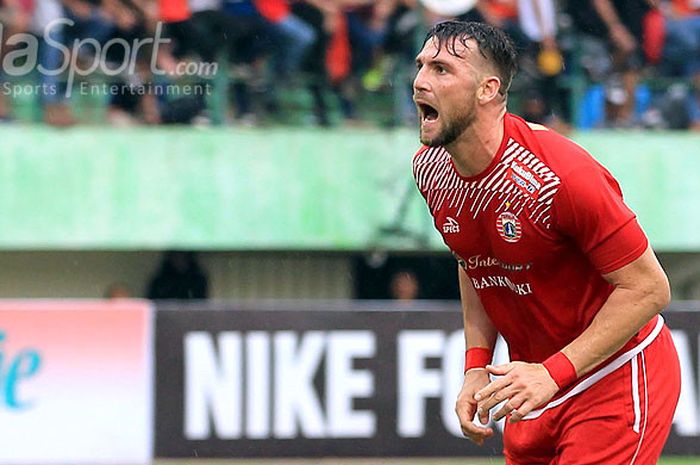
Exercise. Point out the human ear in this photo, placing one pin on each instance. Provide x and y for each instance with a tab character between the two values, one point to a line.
489	89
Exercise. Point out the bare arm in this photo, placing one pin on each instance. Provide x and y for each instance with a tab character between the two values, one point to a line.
607	12
479	332
619	34
478	329
641	291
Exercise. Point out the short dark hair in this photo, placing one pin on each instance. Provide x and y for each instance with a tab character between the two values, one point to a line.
493	43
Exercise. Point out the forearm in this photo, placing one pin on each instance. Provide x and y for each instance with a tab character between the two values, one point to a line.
641	292
478	328
607	12
624	313
479	331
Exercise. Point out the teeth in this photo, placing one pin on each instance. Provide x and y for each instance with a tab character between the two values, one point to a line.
428	113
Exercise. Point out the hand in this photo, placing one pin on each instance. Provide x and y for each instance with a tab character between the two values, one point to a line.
524	387
549	43
474	380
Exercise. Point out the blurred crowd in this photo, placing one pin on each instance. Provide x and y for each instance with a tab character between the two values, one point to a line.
589	63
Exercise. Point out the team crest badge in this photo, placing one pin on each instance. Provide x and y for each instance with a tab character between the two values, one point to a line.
509	227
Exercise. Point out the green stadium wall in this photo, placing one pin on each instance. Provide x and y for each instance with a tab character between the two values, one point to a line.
97	188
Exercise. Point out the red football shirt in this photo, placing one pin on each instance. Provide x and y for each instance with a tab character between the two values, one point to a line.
534	232
273	10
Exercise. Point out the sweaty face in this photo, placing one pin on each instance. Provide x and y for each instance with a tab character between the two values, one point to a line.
444	91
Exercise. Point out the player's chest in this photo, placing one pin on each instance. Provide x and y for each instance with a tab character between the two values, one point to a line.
507	231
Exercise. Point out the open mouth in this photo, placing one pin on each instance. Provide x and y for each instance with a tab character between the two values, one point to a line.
428	113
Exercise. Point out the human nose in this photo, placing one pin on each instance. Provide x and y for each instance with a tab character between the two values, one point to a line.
420	82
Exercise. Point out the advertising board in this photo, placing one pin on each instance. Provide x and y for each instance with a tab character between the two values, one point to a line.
343	380
75	382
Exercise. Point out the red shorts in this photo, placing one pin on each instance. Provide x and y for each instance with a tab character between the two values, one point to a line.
624	418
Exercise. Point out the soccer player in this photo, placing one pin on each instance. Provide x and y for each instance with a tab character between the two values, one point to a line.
551	258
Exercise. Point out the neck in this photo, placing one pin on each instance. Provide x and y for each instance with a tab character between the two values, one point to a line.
476	147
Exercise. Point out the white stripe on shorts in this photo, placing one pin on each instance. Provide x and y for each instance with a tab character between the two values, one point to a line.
646	409
602	373
635	393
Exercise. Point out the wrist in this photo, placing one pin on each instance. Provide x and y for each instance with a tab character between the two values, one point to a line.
560	369
477	357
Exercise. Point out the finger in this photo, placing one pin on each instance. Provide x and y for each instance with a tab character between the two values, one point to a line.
503	411
527	407
466	412
483	415
508	407
465	415
472	429
498	397
492	387
475	432
478	440
499	370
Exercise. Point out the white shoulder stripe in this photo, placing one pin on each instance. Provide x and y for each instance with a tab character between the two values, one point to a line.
440	183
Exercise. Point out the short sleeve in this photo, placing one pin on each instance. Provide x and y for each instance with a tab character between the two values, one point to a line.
589	209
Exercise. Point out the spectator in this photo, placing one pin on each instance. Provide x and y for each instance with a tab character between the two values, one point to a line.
681	58
195	27
209	28
327	63
538	22
15	17
129	105
504	15
614	27
291	36
681	53
87	22
345	48
179	277
248	38
545	63
404	286
117	291
401	47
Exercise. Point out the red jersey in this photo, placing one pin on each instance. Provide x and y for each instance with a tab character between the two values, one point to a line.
534	232
273	10
174	11
503	9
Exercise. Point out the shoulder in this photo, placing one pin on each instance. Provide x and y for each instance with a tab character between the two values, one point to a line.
426	154
562	155
430	166
428	157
